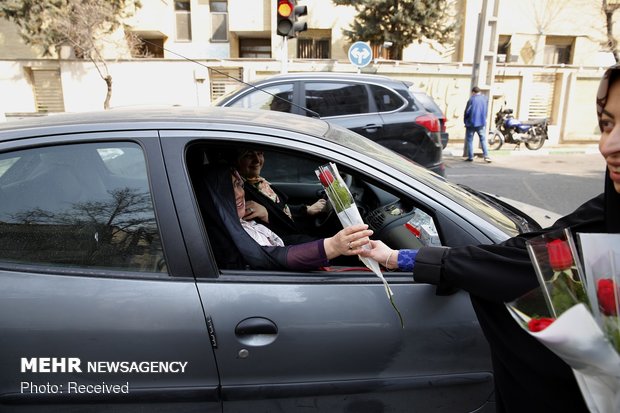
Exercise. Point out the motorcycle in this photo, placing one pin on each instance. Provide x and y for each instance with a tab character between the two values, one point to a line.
511	130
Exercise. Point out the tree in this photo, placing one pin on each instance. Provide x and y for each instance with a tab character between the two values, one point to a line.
82	24
609	8
401	22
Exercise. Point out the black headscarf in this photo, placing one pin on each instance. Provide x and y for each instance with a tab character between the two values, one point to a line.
612	198
232	245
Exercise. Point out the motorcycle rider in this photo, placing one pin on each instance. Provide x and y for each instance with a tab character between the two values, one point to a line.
475	118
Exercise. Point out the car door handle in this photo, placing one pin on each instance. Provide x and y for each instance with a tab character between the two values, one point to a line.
372	128
256	325
256	331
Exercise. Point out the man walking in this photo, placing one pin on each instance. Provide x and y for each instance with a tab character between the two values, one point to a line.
475	122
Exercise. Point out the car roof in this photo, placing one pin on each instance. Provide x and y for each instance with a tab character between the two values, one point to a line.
161	118
359	77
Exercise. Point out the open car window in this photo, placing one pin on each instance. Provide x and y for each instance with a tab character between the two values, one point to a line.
397	220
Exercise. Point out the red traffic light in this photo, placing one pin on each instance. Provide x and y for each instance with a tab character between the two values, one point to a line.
287	13
285	8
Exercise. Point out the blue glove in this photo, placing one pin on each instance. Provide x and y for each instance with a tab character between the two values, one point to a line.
406	259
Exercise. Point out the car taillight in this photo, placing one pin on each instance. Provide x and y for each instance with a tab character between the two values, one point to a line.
430	122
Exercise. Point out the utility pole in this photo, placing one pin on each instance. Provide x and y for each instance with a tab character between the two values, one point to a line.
485	54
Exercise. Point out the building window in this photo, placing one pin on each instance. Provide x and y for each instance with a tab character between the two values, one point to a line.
224	81
503	49
558	50
148	47
255	48
311	48
219	21
183	15
47	89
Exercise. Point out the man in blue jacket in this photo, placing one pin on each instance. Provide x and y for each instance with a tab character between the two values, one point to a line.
475	122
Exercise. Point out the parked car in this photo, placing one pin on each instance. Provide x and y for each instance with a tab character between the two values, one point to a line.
111	297
388	111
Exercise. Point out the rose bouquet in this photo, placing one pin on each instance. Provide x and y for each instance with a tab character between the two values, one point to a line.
575	311
342	201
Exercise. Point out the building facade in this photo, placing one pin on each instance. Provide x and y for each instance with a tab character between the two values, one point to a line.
543	58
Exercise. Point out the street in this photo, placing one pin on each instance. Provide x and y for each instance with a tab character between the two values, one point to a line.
558	180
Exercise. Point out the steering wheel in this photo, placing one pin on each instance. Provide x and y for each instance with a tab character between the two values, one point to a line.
324	217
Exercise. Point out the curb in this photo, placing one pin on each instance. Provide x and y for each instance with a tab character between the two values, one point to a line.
457	151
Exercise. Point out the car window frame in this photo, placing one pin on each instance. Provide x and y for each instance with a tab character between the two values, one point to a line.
165	216
203	261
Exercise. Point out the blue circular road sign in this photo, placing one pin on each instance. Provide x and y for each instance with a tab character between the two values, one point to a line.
360	54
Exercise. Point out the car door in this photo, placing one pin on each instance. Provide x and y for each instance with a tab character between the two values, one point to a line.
98	306
326	341
344	103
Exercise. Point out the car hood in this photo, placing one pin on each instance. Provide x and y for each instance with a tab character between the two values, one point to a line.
543	217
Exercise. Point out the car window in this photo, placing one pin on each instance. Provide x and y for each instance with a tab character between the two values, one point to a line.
86	205
412	103
289	169
277	97
428	103
385	99
336	98
400	221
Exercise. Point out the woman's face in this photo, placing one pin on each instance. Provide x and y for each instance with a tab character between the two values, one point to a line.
251	163
239	194
609	145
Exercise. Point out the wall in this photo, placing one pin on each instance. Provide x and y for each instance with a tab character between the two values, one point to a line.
11	44
181	82
16	93
581	112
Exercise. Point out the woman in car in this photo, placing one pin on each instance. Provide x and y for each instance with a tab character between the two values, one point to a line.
245	243
267	204
528	376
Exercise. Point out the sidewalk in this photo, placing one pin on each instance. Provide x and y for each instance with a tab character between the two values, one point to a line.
455	149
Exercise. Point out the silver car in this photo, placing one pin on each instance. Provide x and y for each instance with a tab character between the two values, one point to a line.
111	298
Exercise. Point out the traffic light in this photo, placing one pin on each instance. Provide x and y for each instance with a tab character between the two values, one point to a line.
299	11
287	13
286	17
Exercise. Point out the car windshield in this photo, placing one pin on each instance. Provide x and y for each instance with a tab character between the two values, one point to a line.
484	208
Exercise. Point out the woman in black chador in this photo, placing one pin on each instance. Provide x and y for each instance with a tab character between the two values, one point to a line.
528	376
239	243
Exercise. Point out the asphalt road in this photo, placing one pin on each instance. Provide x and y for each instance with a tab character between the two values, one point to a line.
556	179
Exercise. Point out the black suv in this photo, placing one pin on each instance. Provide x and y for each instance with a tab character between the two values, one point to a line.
385	110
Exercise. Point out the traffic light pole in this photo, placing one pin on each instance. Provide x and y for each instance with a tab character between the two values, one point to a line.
287	26
284	55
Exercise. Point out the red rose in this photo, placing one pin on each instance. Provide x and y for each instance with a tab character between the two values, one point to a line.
560	256
539	324
606	294
326	178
